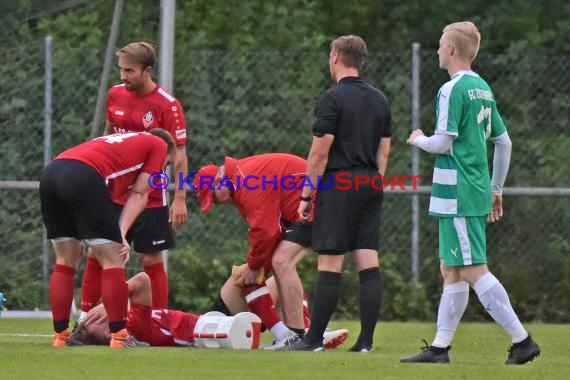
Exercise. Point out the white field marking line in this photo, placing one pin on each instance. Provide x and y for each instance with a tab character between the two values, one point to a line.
26	334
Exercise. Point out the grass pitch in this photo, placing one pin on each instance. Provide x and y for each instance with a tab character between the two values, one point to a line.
479	351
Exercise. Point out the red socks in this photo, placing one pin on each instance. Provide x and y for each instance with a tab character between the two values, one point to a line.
159	285
259	302
91	284
115	294
61	284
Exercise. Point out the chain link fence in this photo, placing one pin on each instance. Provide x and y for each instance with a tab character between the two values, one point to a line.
245	103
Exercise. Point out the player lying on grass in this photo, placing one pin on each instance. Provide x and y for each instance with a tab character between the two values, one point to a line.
162	327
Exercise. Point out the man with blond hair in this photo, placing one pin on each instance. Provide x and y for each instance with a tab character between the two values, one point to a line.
464	198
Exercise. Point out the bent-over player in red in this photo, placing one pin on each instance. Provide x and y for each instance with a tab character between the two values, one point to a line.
76	191
265	189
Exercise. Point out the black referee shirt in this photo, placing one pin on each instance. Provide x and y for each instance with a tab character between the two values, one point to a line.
358	115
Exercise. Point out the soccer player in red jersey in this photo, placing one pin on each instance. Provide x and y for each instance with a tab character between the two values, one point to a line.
139	104
76	191
156	327
265	189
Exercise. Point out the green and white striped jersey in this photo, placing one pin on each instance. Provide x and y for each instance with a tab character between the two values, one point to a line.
466	109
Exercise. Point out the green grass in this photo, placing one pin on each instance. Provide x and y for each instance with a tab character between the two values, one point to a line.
479	351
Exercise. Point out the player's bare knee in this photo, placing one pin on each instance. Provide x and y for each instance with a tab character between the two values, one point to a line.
149	259
141	279
449	274
140	289
282	264
472	273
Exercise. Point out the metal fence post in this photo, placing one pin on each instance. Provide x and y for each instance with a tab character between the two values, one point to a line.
48	68
166	47
166	62
415	235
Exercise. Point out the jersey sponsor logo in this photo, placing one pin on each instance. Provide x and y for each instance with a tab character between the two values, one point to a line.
180	133
148	119
157	242
119	112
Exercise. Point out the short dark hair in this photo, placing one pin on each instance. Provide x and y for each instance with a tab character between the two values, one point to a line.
139	52
83	336
352	50
159	132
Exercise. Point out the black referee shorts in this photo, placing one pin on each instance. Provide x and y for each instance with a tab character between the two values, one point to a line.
75	202
346	217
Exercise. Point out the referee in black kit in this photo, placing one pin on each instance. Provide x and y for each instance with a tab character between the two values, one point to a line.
351	139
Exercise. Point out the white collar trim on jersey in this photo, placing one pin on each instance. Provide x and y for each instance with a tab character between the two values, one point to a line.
466	72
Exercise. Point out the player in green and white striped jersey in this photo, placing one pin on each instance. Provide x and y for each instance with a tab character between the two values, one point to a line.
464	198
466	112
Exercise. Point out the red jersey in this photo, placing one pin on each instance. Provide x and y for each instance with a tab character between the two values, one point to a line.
162	327
119	158
129	112
267	190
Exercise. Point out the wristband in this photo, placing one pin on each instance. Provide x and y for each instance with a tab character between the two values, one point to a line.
306	199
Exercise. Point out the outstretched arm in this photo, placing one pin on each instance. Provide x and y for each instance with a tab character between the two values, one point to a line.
178	210
439	143
135	204
316	165
501	162
382	154
109	130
